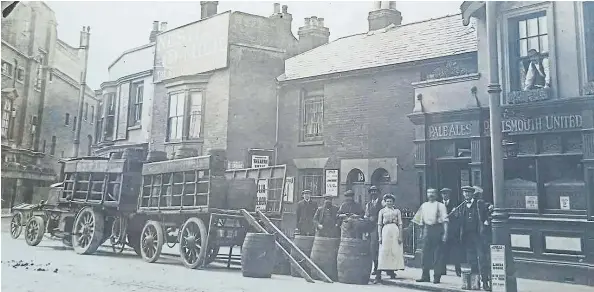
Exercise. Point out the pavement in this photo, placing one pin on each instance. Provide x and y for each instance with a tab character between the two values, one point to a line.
55	268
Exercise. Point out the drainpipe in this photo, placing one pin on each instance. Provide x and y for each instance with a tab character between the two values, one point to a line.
278	88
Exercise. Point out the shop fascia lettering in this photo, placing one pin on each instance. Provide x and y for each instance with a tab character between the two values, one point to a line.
449	130
540	124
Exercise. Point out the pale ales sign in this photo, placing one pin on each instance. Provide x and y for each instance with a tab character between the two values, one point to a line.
498	276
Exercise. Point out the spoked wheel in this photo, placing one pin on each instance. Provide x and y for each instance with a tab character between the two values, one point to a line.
192	243
34	230
213	252
16	225
87	234
117	238
151	241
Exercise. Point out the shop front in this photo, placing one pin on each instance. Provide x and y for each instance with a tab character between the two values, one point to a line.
549	177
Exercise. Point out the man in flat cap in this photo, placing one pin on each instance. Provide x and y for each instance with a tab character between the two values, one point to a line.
350	207
326	219
306	209
474	216
452	252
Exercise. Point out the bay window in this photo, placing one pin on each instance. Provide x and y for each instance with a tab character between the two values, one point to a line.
184	119
109	117
175	121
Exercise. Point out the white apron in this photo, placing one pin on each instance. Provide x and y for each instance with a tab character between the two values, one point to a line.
391	253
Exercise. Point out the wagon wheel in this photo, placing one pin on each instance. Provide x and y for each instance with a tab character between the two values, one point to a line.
87	232
16	225
34	230
192	243
213	252
151	241
116	238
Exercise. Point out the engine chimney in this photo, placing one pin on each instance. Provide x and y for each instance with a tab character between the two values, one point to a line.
208	8
384	14
313	34
283	18
154	32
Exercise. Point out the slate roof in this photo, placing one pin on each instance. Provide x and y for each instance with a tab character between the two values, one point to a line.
410	42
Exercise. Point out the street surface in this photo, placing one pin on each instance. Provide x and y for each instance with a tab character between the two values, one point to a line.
50	267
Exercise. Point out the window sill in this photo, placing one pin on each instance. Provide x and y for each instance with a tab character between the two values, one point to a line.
135	127
310	143
533	95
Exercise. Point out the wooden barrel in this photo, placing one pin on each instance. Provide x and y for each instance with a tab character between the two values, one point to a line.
354	261
323	253
156	156
257	255
304	243
354	227
185	152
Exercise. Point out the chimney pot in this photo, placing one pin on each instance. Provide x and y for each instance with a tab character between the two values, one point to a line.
321	22
377	5
155	25
307	21
385	5
164	26
208	8
314	21
285	9
392	5
276	8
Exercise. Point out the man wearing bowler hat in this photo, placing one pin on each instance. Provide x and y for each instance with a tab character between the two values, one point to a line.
326	219
372	209
306	209
452	252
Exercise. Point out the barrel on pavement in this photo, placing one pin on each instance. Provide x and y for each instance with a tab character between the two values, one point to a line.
257	255
304	243
323	253
354	261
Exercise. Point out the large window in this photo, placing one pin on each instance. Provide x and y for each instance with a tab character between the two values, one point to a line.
92	114
136	96
7	69
175	120
86	114
589	37
110	112
66	119
529	56
312	116
20	74
313	180
185	115
6	117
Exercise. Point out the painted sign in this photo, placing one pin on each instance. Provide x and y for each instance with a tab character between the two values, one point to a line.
332	182
194	48
550	123
564	203
259	161
498	276
235	164
289	189
450	130
262	195
532	202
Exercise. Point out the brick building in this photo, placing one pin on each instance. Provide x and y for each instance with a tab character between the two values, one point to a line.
124	119
343	105
32	94
221	94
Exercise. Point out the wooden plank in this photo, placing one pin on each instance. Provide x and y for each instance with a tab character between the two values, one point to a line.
308	261
252	221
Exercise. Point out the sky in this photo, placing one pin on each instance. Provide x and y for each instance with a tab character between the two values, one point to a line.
122	25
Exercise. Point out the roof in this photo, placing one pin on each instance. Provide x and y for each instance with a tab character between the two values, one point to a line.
433	38
129	52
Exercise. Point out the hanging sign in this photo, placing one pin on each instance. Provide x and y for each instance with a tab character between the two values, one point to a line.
332	182
262	195
564	203
498	277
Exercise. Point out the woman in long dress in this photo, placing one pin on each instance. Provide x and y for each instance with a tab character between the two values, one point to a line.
391	252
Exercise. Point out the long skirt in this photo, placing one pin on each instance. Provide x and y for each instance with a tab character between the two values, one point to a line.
391	253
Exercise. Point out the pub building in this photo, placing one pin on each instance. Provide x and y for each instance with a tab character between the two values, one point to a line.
548	133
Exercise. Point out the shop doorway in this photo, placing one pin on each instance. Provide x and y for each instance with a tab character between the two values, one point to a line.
453	174
356	183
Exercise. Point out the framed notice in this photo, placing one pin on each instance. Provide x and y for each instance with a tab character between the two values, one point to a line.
332	182
289	189
259	161
262	195
564	203
498	277
532	202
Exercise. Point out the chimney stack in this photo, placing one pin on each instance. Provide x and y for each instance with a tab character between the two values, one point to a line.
313	34
163	26
282	17
208	8
276	8
154	32
384	14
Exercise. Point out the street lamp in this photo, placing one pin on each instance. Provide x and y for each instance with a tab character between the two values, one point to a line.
503	272
85	35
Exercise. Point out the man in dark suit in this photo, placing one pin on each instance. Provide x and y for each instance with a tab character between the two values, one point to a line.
452	252
372	209
326	219
306	209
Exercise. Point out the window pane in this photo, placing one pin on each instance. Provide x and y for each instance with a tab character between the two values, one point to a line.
542	25
522	27
544	44
195	114
195	101
172	105
179	128
532	27
520	182
523	48
180	104
533	43
564	183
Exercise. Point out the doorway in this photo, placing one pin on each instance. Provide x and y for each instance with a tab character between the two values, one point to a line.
453	174
356	183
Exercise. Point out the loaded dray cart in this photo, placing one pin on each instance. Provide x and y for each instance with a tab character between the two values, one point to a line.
196	203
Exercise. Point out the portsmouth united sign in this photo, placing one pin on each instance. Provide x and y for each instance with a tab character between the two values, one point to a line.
549	123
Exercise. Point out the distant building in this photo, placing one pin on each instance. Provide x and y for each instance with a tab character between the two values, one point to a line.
343	105
40	93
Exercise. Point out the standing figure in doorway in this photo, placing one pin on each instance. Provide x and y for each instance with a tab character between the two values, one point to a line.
452	253
306	209
432	216
326	219
389	229
474	221
372	209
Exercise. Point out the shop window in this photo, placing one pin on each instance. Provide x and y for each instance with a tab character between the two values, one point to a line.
7	69
521	189
563	183
311	179
529	52
312	116
136	97
589	38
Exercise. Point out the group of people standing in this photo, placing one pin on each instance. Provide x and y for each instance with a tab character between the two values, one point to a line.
383	224
455	234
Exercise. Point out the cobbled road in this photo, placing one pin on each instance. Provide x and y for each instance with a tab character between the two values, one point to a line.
51	267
